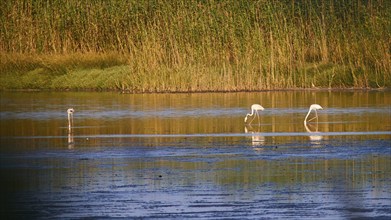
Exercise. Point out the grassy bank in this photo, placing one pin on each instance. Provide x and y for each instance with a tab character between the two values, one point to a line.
188	45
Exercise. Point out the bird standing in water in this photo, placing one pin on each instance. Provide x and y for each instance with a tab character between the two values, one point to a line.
70	118
313	107
254	109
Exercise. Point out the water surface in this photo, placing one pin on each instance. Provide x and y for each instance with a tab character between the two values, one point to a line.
192	155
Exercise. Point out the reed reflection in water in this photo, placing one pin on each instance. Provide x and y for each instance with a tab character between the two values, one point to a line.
191	155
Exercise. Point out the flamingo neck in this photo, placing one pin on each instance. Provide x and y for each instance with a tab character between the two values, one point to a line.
70	121
252	112
305	120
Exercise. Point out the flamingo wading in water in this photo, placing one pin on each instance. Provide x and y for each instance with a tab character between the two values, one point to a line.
313	107
254	110
70	118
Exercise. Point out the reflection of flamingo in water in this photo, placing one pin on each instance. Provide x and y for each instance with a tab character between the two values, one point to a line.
313	107
254	109
71	142
314	135
256	137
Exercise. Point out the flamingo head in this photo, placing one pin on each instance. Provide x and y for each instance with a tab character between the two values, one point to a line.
70	111
316	107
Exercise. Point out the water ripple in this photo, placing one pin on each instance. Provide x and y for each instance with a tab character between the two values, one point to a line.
178	113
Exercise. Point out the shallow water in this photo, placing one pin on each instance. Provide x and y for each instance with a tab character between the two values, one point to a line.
192	155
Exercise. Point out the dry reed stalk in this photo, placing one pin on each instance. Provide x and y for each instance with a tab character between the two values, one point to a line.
189	45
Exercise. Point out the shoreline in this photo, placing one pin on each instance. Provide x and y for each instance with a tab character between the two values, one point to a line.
110	72
201	92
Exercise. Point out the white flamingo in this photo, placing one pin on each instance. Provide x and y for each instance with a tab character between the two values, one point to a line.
313	107
70	118
254	109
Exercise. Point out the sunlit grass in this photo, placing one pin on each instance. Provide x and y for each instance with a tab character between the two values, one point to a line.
156	46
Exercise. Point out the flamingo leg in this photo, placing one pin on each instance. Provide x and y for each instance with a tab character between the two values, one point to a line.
70	122
315	117
312	118
251	120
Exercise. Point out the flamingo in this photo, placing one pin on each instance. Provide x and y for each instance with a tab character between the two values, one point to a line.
312	107
254	109
70	118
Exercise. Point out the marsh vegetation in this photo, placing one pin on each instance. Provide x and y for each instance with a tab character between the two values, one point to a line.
191	45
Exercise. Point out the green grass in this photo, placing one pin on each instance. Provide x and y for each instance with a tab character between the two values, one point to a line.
189	45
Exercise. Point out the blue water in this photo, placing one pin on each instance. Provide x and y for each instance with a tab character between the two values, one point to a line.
192	156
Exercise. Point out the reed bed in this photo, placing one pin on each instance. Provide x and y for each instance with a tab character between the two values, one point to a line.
194	45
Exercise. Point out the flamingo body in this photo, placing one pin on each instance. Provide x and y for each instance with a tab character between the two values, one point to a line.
254	109
313	107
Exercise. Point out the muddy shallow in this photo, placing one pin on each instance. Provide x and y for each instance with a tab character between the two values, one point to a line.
192	156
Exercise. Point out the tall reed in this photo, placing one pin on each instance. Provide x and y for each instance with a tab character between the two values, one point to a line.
193	45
